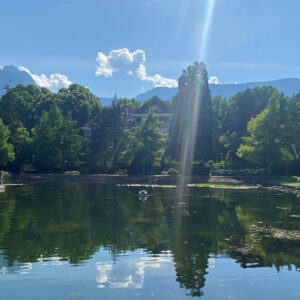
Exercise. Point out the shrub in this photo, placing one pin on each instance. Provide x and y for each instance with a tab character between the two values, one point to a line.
72	173
173	172
6	175
242	172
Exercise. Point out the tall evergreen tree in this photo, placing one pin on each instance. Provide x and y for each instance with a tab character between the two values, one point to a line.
192	121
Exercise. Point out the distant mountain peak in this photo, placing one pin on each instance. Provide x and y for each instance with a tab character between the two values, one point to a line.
10	68
13	76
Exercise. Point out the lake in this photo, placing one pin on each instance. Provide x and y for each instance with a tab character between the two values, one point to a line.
97	241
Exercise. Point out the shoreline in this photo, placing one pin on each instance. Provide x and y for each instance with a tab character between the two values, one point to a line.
222	182
151	179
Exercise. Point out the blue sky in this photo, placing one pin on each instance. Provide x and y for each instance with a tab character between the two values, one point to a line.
147	43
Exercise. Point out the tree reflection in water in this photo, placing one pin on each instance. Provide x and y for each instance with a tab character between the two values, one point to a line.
71	222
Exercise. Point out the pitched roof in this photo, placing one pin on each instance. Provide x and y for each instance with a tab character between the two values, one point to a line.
158	105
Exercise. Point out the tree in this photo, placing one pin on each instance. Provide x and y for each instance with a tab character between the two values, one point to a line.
145	146
219	111
6	149
71	143
192	122
19	104
293	123
21	108
108	133
235	113
80	102
22	142
57	144
266	144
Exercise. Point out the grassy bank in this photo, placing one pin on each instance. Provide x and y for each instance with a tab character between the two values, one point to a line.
291	181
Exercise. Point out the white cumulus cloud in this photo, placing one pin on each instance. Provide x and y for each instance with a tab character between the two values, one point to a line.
213	80
54	82
131	63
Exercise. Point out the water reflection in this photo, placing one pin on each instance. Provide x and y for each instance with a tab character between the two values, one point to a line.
129	272
56	224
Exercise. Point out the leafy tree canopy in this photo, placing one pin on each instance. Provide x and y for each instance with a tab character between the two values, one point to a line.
6	149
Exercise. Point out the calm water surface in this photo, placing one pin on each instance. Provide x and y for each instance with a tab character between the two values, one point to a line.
92	241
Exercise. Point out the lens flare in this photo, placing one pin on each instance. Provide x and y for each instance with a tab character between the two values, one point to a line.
188	144
192	120
205	28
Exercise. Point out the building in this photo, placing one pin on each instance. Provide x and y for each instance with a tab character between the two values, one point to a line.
161	110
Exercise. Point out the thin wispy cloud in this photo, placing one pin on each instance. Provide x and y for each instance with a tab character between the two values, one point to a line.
131	63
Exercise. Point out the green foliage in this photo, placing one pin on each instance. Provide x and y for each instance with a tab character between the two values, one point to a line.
6	149
173	172
22	142
234	172
19	105
79	102
231	116
145	145
22	110
255	128
109	138
57	144
267	144
6	174
192	121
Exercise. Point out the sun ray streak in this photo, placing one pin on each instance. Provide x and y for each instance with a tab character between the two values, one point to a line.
206	27
191	128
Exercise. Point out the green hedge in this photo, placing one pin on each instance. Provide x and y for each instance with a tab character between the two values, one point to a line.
243	172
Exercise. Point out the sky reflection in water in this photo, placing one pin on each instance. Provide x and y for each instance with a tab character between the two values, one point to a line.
89	241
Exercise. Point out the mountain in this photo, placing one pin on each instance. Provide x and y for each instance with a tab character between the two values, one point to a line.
288	86
10	75
161	92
